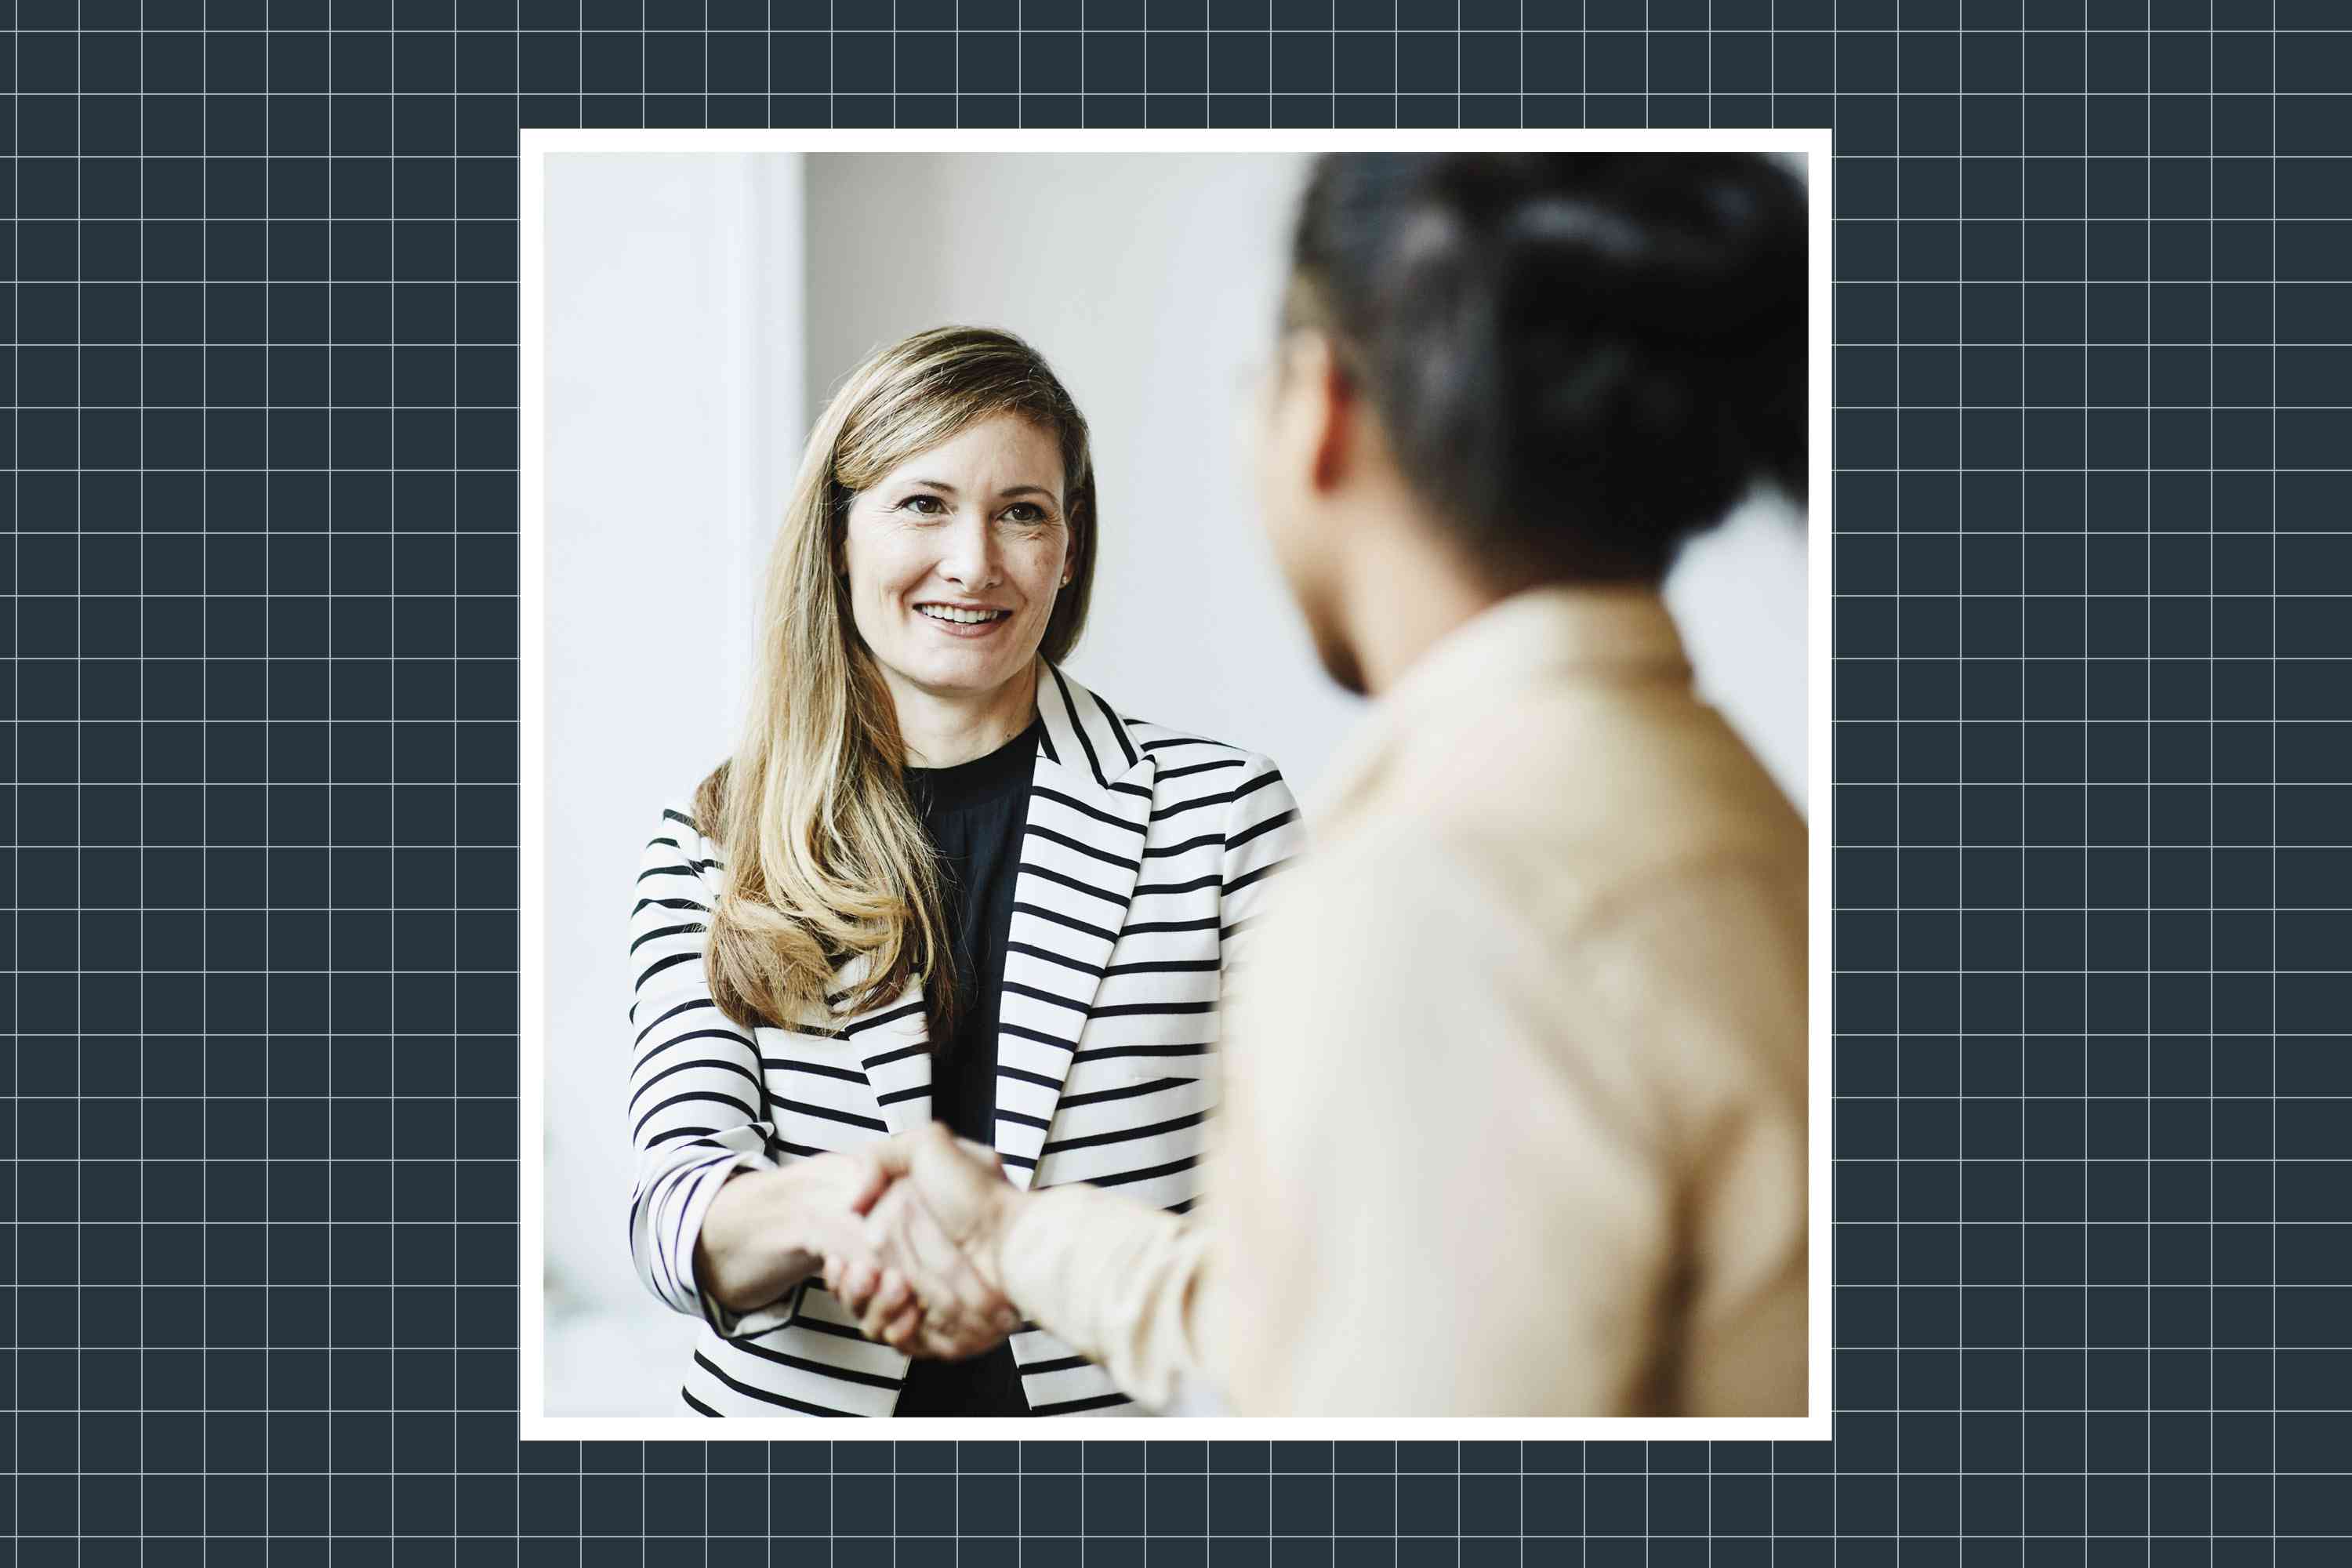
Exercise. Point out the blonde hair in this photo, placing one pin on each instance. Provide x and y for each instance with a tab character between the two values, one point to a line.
827	862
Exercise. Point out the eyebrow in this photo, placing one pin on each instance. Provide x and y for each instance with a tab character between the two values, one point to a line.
946	489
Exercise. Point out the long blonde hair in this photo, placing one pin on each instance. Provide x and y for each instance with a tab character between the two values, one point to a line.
827	862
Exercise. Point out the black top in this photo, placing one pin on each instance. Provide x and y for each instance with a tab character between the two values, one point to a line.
975	813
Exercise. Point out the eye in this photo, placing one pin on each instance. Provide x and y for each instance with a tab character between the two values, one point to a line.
924	505
1026	511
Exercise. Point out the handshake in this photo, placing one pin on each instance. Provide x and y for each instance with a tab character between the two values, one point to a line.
907	1233
924	1274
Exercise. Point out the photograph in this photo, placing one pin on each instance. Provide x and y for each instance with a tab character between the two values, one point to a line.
1180	777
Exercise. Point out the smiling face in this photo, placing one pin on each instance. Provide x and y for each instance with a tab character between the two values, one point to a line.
955	556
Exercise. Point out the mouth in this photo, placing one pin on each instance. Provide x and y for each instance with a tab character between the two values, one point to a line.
964	620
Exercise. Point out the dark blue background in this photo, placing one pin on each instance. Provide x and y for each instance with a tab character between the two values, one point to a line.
2091	774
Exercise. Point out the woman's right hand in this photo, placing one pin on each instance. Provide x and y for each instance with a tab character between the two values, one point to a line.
767	1230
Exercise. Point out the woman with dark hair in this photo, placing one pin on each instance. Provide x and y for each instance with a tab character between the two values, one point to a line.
1515	1113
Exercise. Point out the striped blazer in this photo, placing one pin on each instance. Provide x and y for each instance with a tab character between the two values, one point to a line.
1145	860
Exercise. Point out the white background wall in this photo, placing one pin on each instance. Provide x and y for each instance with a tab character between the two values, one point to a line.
674	357
700	310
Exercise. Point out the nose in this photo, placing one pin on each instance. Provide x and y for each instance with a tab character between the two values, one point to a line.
969	555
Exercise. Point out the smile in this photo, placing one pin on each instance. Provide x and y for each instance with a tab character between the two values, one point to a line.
962	617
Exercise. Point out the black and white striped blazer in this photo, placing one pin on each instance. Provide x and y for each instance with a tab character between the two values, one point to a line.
1146	857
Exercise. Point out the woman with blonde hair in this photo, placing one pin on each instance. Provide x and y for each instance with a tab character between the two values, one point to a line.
938	879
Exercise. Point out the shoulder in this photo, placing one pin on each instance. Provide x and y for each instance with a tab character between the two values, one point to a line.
1179	754
675	824
675	842
1215	779
1682	990
1169	745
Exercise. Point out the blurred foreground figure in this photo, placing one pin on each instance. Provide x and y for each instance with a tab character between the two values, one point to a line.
1514	1118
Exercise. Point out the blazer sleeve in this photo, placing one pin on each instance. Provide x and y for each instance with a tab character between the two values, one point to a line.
697	1108
1263	832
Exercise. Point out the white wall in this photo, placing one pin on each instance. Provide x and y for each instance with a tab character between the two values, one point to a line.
674	377
1738	597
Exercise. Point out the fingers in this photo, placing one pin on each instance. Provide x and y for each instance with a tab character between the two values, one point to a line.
904	1333
873	1177
890	1302
896	1156
901	1268
959	1186
984	1153
870	1295
853	1284
881	1164
939	1346
937	1258
961	1308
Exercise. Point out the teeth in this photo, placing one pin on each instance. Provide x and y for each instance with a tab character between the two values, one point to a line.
962	618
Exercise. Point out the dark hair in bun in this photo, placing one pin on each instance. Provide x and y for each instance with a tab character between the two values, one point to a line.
1578	359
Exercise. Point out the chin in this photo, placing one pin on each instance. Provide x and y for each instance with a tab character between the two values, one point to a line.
1332	648
948	670
1339	662
959	677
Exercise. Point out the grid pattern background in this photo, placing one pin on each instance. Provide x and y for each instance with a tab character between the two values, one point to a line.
2094	325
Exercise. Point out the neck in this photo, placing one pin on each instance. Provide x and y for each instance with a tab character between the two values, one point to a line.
942	728
1404	594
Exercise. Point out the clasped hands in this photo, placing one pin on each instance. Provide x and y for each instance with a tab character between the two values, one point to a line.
921	1270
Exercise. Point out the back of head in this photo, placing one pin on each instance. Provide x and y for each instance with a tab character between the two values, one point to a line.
1577	359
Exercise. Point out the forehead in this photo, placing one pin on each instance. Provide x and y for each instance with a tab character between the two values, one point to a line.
994	452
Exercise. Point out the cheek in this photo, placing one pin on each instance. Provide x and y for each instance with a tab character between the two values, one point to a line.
1287	534
1041	564
1280	465
879	568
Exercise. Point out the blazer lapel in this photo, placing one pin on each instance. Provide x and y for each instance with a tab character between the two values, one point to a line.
893	1045
1089	804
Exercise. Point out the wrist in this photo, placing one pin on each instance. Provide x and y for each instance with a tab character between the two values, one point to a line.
793	1215
1005	1209
753	1248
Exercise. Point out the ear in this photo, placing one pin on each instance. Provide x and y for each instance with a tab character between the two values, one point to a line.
1320	407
